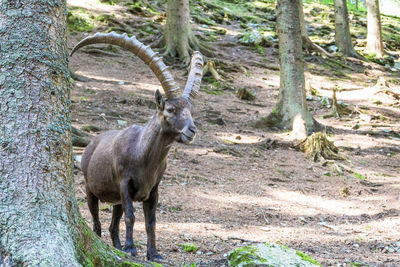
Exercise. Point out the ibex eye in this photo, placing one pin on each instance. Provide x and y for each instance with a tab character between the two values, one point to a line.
170	109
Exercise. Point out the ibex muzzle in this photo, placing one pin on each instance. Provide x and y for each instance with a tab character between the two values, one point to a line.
127	165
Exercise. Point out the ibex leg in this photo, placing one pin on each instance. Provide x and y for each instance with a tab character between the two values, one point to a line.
149	208
129	217
114	227
93	204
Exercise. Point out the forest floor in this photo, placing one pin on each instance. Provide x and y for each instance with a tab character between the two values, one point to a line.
236	184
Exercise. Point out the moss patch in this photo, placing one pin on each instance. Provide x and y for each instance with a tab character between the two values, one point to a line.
188	247
306	257
269	255
80	20
129	264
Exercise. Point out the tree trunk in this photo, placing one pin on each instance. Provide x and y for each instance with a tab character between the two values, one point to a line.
374	35
179	39
291	111
303	29
40	224
342	29
308	45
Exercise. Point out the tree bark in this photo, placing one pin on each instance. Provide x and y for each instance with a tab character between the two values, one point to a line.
308	45
374	27
342	29
179	39
40	223
291	111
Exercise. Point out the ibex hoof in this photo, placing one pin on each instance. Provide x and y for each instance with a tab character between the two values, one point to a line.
154	256
131	250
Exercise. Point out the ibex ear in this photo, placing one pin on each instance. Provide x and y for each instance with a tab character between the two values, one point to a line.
159	100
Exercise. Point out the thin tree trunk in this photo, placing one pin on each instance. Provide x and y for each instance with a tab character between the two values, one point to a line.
291	111
374	35
40	224
307	43
179	39
178	29
342	29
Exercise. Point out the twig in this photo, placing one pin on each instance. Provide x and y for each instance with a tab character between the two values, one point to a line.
101	52
242	239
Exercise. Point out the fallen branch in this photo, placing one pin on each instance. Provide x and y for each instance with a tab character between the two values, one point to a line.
78	77
80	138
99	51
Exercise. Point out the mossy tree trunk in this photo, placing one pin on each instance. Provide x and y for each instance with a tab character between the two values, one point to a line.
40	224
342	29
374	34
291	111
179	39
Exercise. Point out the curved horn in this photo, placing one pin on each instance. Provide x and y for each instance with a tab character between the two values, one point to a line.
145	53
194	78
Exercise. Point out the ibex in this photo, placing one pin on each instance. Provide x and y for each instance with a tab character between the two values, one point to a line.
127	165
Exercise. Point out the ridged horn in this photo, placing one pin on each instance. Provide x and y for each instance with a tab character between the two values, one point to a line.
145	53
194	78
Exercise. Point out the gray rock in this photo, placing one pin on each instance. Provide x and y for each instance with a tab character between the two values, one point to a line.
271	255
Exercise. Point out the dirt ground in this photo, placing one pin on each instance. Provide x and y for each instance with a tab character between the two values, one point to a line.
236	184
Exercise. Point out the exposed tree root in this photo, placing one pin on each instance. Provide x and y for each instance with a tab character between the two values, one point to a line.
210	68
182	52
309	46
337	109
229	66
272	120
78	77
319	147
80	138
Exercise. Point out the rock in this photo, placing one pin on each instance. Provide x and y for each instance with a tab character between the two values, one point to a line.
269	254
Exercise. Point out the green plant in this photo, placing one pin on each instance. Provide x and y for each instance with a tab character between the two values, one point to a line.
359	176
188	247
78	19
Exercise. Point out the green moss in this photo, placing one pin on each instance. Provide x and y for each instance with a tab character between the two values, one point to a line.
244	256
212	92
157	264
130	264
140	8
120	253
306	257
203	20
359	176
80	20
188	247
269	255
110	2
91	251
105	18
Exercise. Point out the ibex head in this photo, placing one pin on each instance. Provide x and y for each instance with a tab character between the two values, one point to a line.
174	110
175	117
